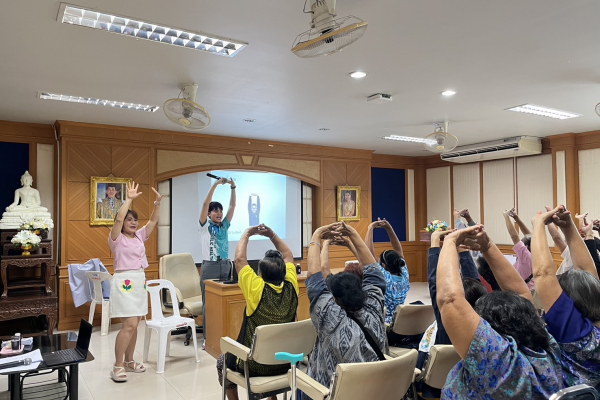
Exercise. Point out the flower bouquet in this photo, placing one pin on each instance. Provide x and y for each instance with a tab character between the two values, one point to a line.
26	241
36	225
431	227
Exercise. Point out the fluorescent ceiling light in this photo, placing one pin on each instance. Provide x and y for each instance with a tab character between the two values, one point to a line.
409	139
75	15
97	102
358	74
448	93
543	111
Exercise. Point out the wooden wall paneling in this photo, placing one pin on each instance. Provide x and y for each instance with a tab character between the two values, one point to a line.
86	160
131	162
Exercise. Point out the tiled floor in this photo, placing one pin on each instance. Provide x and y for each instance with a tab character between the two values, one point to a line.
183	377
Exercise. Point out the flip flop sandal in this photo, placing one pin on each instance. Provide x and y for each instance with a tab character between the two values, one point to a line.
137	367
118	374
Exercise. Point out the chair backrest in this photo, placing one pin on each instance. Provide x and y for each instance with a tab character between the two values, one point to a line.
95	279
412	319
154	288
181	270
293	337
442	358
388	379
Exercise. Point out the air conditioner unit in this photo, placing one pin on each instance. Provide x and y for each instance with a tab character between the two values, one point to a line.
505	148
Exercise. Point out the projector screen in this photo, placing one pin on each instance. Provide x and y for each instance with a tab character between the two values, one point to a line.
262	198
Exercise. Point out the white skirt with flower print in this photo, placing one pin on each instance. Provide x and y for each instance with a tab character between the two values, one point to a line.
128	296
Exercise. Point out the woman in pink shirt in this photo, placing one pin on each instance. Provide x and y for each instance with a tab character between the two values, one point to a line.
128	297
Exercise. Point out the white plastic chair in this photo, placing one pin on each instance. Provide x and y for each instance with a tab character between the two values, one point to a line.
164	325
95	279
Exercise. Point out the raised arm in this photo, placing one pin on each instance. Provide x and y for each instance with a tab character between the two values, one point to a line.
132	193
514	236
155	214
467	216
362	251
208	199
506	275
579	253
395	242
345	242
544	271
241	259
232	200
369	237
556	236
458	317
325	258
314	248
279	244
524	229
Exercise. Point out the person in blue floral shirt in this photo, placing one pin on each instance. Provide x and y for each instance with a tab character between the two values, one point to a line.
393	267
571	299
505	351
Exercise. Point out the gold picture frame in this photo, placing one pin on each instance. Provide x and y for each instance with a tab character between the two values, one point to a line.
348	210
102	212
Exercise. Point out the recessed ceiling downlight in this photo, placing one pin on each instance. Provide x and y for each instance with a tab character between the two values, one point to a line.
75	15
448	93
97	102
543	111
358	74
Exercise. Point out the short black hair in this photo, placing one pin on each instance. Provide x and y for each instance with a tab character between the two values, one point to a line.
393	261
346	288
474	289
584	289
486	273
272	267
214	206
511	315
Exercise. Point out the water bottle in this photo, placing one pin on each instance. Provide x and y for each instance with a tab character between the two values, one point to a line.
298	269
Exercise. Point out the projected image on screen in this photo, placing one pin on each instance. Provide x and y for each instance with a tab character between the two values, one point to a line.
252	189
262	198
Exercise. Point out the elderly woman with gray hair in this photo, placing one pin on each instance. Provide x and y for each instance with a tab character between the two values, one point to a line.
571	300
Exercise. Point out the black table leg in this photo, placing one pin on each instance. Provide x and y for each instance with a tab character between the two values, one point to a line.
73	382
61	375
15	386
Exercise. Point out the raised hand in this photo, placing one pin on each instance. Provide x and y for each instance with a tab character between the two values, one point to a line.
132	190
341	241
264	230
158	195
253	230
587	231
380	223
511	213
465	213
456	214
596	225
439	234
342	229
581	222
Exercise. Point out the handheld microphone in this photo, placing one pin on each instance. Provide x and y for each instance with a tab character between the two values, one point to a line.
26	361
213	176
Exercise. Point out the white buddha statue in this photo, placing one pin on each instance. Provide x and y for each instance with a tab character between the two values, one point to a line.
27	205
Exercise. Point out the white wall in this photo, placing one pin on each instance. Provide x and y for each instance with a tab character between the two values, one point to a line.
438	194
589	189
498	195
534	187
467	189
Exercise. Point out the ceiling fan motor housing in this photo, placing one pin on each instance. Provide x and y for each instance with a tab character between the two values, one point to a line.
323	13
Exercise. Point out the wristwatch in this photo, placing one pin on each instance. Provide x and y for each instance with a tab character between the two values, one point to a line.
156	203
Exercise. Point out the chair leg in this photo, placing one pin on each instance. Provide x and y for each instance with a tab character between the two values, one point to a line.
169	344
162	350
224	391
193	326
105	318
92	310
147	334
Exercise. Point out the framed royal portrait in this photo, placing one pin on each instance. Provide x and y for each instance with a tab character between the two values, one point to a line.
108	194
348	203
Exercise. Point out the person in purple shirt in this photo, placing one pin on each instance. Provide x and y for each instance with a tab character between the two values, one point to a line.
505	351
571	300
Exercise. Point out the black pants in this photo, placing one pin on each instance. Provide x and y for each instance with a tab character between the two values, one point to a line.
212	270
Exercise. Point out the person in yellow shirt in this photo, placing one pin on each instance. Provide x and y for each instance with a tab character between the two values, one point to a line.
271	298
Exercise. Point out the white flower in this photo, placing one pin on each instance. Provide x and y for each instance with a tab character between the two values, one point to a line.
26	237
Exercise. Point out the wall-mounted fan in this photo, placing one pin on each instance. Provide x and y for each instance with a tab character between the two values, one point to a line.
327	35
440	141
185	111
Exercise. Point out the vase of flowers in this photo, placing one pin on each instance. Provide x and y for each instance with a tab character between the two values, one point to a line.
431	227
26	241
36	225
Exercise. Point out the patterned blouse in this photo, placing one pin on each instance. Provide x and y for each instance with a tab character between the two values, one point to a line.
339	339
495	368
579	342
396	288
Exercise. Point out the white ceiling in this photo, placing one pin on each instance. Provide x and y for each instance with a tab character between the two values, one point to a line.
495	54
